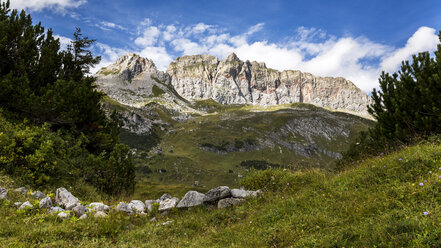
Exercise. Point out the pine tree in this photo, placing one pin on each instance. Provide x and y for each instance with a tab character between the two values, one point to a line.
409	102
47	86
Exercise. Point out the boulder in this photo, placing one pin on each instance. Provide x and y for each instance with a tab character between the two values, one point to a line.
26	205
122	207
137	206
191	199
97	206
38	195
3	194
65	199
241	193
100	214
63	215
164	197
83	217
168	204
21	190
217	193
55	209
149	204
229	202
79	210
45	203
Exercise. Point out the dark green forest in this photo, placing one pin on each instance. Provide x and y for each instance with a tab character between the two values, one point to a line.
53	130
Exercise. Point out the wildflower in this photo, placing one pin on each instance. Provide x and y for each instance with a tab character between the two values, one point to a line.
421	184
439	177
381	154
378	156
399	159
287	184
439	168
426	213
425	181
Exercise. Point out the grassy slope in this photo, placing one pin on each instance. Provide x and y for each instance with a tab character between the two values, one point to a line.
378	203
185	161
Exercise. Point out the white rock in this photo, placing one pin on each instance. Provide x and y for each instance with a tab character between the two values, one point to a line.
79	210
65	199
38	195
137	206
241	193
168	204
26	205
100	214
149	205
3	194
55	209
217	193
17	204
122	207
63	215
191	199
83	217
45	203
97	206
229	202
164	197
21	190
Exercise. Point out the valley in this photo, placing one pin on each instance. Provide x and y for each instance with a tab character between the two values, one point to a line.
203	143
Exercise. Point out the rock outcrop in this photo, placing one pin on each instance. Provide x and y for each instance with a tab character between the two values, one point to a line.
65	199
232	81
130	80
191	199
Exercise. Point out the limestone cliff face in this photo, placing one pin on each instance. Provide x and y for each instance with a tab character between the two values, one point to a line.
130	79
232	81
229	81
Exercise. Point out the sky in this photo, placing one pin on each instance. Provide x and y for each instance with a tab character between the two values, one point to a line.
355	39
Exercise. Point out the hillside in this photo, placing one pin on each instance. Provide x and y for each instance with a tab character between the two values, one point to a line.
220	145
185	140
385	201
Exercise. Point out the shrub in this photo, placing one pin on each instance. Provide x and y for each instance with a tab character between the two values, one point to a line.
407	107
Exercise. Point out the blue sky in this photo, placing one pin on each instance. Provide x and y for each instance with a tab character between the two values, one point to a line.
354	39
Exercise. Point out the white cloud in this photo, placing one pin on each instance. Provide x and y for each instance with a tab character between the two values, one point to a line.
188	47
201	28
149	37
424	39
159	55
256	28
309	49
106	25
38	5
64	41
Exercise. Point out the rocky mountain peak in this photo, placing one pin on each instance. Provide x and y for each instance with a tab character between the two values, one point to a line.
128	67
232	81
232	57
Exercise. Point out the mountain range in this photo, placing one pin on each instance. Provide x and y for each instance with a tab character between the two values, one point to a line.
210	121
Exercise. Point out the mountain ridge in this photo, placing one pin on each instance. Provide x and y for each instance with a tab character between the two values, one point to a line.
233	81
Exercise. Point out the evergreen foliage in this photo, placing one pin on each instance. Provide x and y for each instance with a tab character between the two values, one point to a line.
50	87
407	107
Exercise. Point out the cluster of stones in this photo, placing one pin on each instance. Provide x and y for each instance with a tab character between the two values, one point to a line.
68	204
